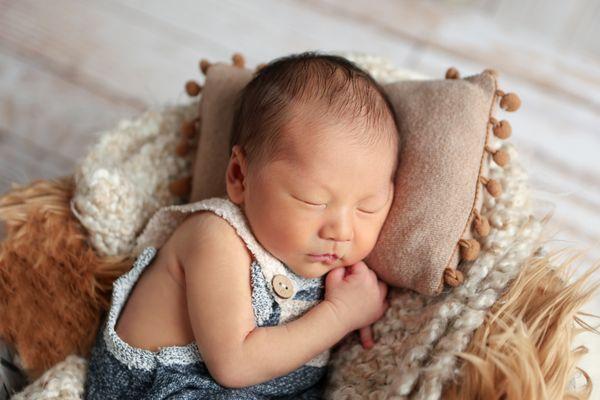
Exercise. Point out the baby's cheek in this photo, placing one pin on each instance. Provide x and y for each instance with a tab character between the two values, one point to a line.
287	234
366	238
297	232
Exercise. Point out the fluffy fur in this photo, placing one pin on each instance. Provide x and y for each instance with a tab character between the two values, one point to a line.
54	289
523	349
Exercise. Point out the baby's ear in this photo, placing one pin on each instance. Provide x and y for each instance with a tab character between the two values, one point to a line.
235	176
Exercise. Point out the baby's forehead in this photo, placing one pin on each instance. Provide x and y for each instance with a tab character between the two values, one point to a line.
306	137
305	125
306	155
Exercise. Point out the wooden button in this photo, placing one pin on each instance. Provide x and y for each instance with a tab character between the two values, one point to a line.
283	287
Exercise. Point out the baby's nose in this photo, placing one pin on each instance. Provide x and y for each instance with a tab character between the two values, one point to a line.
339	230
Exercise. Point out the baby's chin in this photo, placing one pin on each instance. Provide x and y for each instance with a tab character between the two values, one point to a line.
308	272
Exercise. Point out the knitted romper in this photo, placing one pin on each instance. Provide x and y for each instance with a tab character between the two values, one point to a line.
120	371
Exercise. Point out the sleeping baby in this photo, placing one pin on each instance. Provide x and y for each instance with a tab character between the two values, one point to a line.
250	291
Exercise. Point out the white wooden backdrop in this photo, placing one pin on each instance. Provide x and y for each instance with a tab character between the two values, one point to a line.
71	68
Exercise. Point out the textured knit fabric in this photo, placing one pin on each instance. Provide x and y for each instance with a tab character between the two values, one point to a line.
120	183
118	370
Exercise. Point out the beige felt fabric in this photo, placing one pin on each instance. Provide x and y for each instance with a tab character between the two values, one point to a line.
443	127
222	84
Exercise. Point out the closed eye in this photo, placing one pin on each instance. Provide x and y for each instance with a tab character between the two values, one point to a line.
367	212
313	204
325	205
308	202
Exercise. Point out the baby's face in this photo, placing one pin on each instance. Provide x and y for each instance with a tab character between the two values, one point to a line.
331	196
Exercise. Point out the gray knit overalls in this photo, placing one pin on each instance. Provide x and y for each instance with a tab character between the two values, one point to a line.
120	371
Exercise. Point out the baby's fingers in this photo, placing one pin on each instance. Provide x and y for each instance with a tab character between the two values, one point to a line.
366	336
358	268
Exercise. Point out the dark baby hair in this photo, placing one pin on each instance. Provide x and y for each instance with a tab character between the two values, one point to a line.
336	86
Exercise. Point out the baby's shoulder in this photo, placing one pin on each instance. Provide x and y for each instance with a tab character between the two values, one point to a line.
203	222
206	234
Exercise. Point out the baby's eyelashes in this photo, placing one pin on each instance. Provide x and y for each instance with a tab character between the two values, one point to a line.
314	204
368	212
321	205
310	203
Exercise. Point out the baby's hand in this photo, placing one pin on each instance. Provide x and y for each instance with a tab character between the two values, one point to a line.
356	294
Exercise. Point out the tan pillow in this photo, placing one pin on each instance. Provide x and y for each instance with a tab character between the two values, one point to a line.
222	84
444	128
443	125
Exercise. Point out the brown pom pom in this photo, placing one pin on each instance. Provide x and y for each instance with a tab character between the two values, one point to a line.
453	277
502	129
501	157
204	65
469	249
510	102
452	73
183	147
238	60
481	225
494	187
192	88
181	187
188	129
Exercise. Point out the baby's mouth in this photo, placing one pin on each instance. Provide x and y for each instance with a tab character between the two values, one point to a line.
326	258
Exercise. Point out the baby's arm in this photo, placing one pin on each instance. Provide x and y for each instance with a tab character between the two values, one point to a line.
237	353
